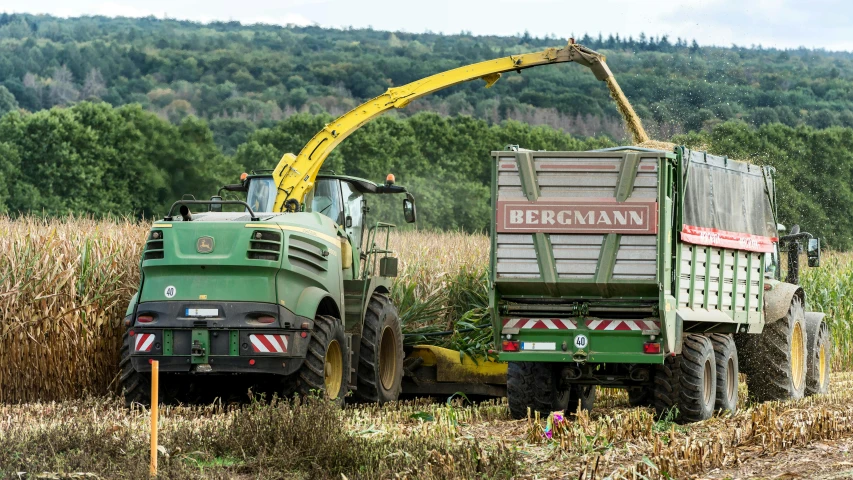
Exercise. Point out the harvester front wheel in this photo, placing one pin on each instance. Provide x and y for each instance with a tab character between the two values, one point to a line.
725	353
688	382
779	358
327	365
820	344
380	359
534	385
136	386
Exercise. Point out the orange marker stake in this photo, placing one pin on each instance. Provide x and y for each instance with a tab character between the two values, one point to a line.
155	375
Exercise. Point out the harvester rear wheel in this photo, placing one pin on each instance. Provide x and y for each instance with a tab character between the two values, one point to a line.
725	353
136	386
779	358
534	385
820	344
688	382
380	359
327	365
641	397
581	395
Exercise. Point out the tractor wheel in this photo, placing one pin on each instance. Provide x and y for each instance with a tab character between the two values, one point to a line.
380	359
136	386
534	386
779	358
820	344
641	397
688	382
725	355
582	396
327	364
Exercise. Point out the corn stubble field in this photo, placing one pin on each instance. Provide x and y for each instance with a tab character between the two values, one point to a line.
64	287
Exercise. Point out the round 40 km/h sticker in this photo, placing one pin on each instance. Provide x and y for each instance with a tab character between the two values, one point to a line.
171	291
581	341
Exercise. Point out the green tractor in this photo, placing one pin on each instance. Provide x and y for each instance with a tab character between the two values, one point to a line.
278	302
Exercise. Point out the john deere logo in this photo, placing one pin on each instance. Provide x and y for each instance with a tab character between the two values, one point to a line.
204	244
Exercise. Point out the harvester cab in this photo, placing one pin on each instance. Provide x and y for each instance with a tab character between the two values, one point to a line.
344	200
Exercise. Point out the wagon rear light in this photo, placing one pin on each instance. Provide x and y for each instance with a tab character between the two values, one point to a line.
510	345
651	347
266	319
145	319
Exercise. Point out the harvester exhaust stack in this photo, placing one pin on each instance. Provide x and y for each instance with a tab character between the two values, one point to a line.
186	215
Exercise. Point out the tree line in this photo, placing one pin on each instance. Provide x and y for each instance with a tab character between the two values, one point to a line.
97	159
243	77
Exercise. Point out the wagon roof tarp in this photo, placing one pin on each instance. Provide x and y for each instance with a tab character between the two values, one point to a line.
727	203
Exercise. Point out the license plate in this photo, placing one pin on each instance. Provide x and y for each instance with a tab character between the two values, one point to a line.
538	346
202	312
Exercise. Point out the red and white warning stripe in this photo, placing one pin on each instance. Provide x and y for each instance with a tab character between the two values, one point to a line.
547	323
143	342
622	325
269	343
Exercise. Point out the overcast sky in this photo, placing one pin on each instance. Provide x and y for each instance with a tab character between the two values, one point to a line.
771	23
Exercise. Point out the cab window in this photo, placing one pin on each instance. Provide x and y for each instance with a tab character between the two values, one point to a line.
327	199
261	195
354	209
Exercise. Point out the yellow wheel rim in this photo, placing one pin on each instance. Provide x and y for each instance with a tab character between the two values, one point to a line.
797	358
387	358
333	372
821	357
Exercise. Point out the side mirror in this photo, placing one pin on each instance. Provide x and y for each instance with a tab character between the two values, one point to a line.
409	210
813	252
216	206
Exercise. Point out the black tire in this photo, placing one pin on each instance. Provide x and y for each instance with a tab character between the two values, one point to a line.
775	375
380	381
641	396
312	374
726	358
136	386
534	385
817	382
582	396
688	382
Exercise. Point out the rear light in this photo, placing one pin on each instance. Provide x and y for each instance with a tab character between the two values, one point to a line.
305	325
266	319
511	346
651	347
145	319
252	361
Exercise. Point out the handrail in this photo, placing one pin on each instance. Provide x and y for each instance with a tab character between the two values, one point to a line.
168	217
